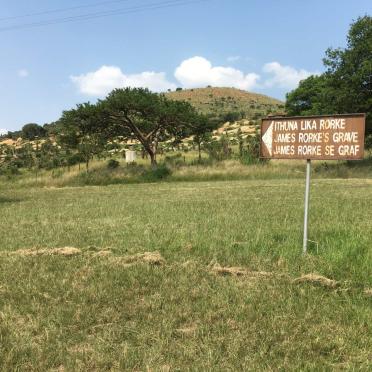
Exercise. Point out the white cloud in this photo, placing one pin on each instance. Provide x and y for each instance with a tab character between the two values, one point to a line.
199	72
233	58
194	72
284	76
23	73
3	131
106	78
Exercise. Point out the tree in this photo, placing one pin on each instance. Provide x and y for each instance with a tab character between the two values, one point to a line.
49	155
150	118
346	86
83	129
203	132
32	131
310	98
240	138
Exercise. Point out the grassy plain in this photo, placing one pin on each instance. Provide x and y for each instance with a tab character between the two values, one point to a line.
117	311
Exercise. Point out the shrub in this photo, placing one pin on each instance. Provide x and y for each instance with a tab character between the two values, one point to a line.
159	173
251	154
9	169
113	164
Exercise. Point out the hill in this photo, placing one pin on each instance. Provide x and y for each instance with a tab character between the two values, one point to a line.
223	101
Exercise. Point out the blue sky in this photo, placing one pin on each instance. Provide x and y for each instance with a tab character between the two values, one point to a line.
261	46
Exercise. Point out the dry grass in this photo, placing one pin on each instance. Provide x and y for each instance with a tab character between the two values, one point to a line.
150	258
317	280
65	251
226	170
239	271
103	253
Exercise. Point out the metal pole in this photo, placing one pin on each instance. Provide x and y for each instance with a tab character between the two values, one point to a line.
307	197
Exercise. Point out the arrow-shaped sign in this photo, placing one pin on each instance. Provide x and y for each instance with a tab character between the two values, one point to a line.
267	138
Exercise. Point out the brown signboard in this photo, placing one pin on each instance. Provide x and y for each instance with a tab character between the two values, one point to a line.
331	137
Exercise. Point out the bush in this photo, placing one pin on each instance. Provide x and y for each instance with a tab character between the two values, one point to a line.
9	169
159	173
113	164
75	159
219	150
251	154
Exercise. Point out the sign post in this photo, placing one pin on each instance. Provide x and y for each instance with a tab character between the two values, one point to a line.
307	199
328	137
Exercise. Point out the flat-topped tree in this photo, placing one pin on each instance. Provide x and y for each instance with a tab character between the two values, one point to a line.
150	118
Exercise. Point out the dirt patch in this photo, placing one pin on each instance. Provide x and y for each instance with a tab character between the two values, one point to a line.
238	271
65	251
368	292
317	280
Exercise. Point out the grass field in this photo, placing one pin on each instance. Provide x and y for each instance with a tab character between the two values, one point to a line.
221	294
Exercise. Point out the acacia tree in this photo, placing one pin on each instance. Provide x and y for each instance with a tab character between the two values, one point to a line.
82	129
131	114
150	118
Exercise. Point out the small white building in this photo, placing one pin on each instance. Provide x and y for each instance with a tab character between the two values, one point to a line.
130	156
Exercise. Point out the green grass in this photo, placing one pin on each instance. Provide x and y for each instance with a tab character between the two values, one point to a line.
97	313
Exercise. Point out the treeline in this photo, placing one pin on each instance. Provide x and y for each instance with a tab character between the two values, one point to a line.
149	120
149	123
31	132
